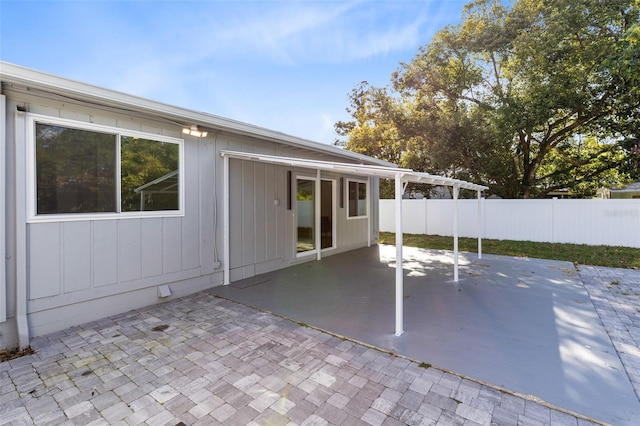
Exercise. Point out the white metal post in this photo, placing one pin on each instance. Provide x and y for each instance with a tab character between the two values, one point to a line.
316	206
456	191
226	255
369	211
479	224
399	272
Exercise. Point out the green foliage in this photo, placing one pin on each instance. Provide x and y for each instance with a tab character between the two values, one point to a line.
610	256
143	161
505	98
74	170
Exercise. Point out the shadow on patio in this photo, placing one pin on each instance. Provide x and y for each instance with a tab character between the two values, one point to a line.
526	325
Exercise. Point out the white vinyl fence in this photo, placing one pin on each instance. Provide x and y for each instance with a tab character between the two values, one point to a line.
593	222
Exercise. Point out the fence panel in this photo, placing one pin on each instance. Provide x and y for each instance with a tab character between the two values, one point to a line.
593	222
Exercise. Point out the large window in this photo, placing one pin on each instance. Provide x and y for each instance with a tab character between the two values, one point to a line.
357	198
79	168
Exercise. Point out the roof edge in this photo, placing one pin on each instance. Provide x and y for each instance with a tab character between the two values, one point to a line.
18	74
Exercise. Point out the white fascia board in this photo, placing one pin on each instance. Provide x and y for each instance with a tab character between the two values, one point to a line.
16	74
406	175
357	169
419	177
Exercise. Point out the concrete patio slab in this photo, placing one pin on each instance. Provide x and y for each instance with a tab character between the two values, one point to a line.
522	324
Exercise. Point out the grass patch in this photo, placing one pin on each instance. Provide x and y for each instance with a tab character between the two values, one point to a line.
617	257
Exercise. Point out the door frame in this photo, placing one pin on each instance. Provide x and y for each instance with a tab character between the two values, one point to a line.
317	215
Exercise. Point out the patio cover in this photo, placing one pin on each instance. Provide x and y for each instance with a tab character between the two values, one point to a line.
401	177
164	184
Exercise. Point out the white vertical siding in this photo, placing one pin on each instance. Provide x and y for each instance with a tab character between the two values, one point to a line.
76	261
45	266
171	244
151	247
105	253
129	247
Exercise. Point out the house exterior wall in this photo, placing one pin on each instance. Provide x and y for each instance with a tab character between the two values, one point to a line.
82	270
262	228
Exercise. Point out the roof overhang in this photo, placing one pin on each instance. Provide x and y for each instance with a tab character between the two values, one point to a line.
407	175
31	79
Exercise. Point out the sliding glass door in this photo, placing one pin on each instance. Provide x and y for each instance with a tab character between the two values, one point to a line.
306	214
306	211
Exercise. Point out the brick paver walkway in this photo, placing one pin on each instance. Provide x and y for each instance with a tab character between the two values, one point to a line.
615	293
202	360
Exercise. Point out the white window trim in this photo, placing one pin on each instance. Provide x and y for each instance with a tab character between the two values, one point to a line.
367	198
33	217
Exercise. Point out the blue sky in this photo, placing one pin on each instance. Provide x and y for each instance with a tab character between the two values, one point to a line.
284	65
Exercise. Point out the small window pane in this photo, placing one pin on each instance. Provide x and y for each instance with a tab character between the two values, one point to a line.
353	199
149	175
357	199
362	199
75	170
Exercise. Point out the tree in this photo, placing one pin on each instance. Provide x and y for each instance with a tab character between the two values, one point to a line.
502	97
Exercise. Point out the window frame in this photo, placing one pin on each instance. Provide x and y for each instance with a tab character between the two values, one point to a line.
33	216
367	199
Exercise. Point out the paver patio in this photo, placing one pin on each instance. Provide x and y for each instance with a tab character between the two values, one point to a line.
207	360
527	325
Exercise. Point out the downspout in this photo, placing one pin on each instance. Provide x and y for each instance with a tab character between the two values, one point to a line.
21	230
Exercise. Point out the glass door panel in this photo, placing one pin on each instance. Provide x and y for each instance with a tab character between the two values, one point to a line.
326	214
305	212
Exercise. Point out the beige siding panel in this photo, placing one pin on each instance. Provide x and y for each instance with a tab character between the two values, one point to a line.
151	244
190	232
76	256
260	214
271	213
105	252
207	195
172	244
235	216
129	247
284	233
248	214
44	260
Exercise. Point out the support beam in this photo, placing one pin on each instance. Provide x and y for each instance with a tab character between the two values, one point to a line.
317	236
369	211
225	196
399	272
456	192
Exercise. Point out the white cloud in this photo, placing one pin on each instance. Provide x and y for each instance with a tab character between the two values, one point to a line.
291	33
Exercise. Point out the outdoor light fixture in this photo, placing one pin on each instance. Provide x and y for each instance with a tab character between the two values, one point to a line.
194	131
